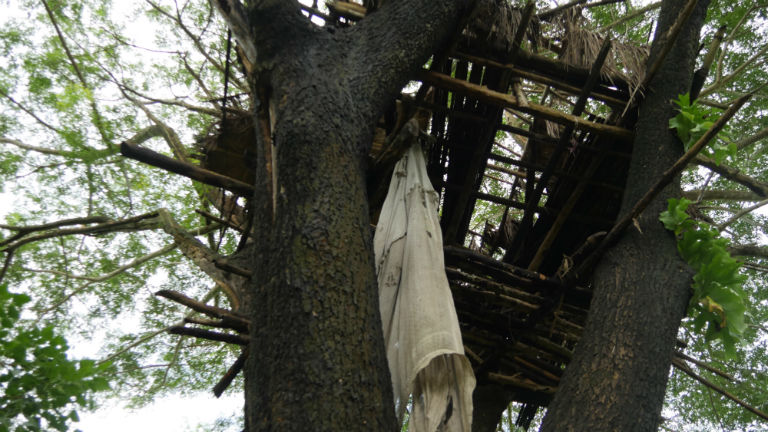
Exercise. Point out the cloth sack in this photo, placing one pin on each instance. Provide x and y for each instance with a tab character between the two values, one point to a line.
421	330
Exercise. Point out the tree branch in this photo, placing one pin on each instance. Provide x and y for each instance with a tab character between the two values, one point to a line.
228	317
629	16
138	138
423	24
208	334
722	195
734	175
97	119
195	40
753	250
757	136
186	169
688	371
176	102
665	179
722	81
203	257
741	213
29	112
136	223
93	280
232	372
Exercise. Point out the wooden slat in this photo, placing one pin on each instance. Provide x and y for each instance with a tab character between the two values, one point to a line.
508	101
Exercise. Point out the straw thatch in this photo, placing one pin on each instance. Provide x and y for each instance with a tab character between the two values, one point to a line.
581	45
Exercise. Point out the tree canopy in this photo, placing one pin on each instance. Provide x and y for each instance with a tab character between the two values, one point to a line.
90	235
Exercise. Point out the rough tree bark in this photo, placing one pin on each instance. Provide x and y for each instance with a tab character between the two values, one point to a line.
618	375
317	359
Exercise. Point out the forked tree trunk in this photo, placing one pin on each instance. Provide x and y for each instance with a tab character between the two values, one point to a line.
317	359
618	375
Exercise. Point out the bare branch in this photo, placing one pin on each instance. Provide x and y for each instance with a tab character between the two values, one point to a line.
723	81
208	334
746	142
29	112
232	372
741	213
722	195
753	250
228	317
136	223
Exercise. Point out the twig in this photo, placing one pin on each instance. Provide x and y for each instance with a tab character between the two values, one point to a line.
700	363
683	367
117	271
135	343
29	112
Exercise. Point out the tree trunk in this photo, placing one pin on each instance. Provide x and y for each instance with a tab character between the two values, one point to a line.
317	359
618	375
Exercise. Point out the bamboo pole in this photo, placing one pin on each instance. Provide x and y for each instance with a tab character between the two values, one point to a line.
193	172
508	101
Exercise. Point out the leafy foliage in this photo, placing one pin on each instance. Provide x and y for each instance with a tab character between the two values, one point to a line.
693	121
718	302
40	387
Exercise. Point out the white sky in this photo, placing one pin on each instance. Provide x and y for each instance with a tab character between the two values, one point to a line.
173	413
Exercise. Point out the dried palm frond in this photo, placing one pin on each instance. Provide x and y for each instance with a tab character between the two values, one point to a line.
581	46
496	21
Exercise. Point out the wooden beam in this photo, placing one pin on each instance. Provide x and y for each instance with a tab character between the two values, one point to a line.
533	199
209	335
598	93
508	101
193	172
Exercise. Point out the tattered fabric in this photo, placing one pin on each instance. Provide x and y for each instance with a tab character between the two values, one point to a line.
421	330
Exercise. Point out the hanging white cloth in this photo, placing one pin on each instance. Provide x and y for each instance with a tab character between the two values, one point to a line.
421	329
